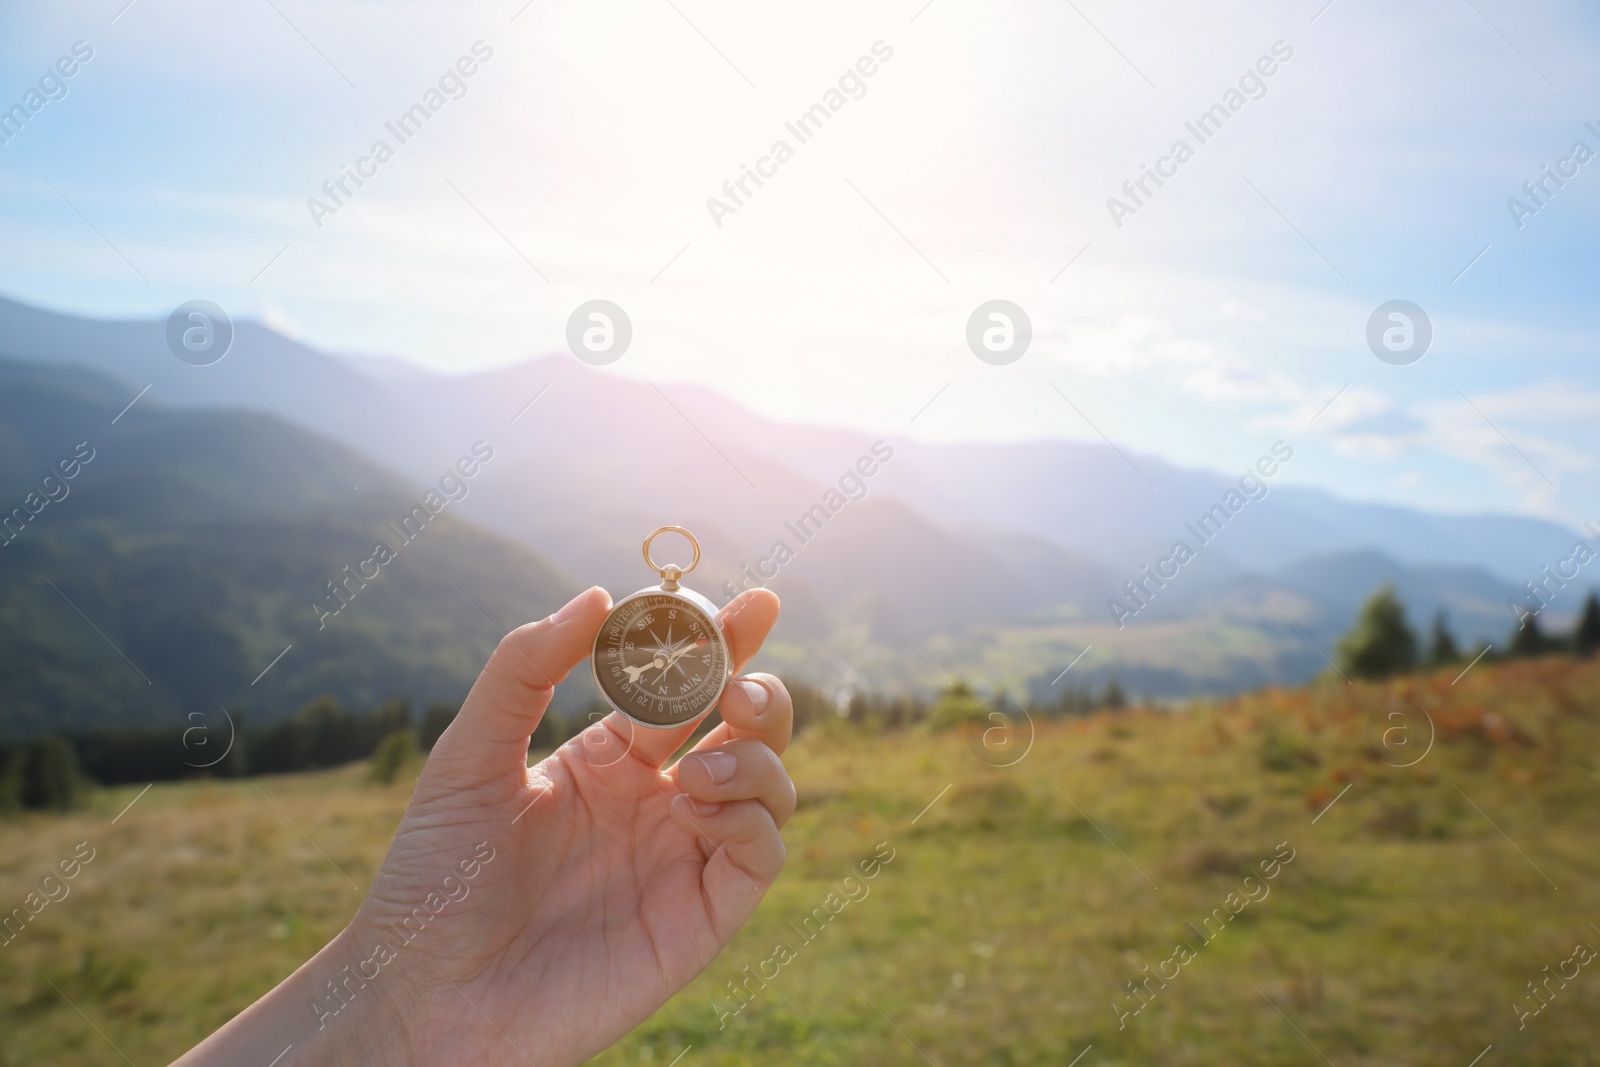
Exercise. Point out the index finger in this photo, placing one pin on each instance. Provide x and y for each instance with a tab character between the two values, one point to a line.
745	623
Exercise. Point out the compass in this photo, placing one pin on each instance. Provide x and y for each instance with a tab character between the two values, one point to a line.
660	657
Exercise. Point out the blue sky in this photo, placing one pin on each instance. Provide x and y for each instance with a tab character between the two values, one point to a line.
976	163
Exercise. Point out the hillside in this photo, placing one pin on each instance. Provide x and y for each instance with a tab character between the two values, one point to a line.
1078	497
1418	903
984	560
185	555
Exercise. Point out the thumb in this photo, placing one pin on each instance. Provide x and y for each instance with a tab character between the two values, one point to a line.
511	695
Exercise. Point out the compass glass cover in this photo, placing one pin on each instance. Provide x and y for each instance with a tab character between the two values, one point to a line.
660	659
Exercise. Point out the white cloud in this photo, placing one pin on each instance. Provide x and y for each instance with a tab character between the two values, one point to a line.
975	166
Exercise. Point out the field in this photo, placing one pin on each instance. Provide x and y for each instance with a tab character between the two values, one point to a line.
1020	902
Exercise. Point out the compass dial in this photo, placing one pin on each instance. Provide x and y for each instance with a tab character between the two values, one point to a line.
660	659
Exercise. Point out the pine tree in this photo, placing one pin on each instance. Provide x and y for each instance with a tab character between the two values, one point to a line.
237	765
959	705
1586	638
1381	642
1075	701
54	783
1528	640
1442	645
13	775
435	720
394	753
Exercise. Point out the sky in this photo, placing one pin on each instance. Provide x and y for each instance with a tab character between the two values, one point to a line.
1199	320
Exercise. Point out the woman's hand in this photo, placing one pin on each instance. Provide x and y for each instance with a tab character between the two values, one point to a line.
534	915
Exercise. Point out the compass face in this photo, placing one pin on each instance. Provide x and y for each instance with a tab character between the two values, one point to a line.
660	659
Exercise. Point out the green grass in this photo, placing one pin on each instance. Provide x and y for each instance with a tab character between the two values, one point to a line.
1006	924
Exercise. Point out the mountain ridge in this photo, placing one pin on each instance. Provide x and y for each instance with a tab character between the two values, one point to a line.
989	560
179	573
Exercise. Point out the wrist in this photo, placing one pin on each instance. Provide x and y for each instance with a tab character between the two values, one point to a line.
351	1002
327	1012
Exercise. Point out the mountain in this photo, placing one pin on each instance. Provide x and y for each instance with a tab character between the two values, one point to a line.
1214	630
1089	499
901	564
587	464
186	550
1474	603
622	452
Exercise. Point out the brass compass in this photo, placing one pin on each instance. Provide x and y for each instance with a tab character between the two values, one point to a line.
660	657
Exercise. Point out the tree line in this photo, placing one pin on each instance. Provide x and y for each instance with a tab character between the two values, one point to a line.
1382	643
55	772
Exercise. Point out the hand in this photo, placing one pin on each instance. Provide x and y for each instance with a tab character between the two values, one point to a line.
537	914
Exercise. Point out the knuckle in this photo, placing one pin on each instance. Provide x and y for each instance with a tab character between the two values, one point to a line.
754	754
757	820
512	645
522	634
521	654
505	647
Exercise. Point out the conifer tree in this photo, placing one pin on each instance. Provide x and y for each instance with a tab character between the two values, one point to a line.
53	782
394	753
1586	639
1528	640
1381	643
1442	645
13	778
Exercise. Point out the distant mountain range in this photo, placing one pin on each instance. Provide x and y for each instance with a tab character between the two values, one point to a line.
902	564
183	559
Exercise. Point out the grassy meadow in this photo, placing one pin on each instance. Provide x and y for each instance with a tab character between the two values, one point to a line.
1013	914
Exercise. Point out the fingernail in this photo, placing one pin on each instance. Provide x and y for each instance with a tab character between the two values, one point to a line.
572	606
697	807
719	765
757	693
